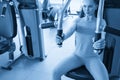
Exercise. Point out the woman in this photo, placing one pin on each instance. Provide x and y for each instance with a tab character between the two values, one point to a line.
84	54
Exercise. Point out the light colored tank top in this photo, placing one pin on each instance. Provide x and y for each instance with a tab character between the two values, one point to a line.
85	31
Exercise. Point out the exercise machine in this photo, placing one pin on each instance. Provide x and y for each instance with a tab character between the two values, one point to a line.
8	31
26	14
111	42
32	34
111	15
49	15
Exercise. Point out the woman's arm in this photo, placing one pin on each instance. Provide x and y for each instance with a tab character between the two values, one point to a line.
71	30
100	44
72	27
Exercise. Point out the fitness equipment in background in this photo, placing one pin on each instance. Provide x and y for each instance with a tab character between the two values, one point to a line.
49	15
8	31
45	10
30	17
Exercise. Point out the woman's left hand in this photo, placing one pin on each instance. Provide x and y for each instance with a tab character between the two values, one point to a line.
100	44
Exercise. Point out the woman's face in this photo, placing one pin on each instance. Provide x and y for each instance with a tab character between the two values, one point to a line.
89	7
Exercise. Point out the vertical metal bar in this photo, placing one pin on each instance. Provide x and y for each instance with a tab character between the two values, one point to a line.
60	27
99	15
62	14
98	22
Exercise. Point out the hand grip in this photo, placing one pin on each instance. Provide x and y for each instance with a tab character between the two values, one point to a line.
59	33
97	37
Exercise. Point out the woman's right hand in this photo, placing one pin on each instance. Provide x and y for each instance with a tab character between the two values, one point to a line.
99	44
59	40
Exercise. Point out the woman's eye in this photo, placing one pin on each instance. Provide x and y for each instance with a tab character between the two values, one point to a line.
90	6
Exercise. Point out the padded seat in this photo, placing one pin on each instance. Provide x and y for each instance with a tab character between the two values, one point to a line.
80	73
4	46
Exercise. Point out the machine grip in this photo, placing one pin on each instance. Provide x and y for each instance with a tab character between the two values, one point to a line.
60	33
97	37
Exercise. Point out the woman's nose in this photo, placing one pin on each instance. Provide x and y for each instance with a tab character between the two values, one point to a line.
87	8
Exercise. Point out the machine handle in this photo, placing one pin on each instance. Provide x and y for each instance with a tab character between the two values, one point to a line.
60	21
47	25
97	37
60	34
4	7
98	22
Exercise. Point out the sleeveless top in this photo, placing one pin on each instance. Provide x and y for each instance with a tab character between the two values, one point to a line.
85	32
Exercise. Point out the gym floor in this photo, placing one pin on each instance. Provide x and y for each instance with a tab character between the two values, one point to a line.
32	69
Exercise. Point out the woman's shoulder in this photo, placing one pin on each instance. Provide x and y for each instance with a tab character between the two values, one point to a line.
78	19
73	19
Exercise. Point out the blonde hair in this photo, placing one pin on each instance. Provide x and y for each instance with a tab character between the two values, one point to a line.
82	12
